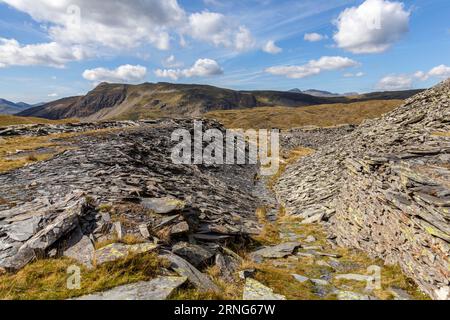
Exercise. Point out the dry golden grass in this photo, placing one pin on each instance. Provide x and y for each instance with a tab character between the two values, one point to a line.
8	120
46	279
442	134
320	115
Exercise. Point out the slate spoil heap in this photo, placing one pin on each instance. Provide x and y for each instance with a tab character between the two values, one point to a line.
111	185
385	189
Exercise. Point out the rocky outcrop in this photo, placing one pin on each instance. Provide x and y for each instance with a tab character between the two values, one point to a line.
385	188
115	184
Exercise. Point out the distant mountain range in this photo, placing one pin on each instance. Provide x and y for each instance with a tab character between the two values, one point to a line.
156	100
321	93
8	107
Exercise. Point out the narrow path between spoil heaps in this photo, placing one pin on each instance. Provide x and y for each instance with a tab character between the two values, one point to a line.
297	261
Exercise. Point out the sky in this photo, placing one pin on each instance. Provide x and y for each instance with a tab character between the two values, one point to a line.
50	49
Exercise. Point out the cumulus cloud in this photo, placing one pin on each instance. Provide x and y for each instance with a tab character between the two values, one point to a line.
124	24
120	24
442	72
125	73
218	30
12	53
272	48
373	27
395	82
313	67
313	37
201	68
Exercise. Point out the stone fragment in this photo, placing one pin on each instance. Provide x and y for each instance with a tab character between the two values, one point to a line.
300	278
352	296
227	266
255	290
120	231
23	230
185	269
310	239
275	252
80	248
143	229
157	289
179	229
118	251
194	254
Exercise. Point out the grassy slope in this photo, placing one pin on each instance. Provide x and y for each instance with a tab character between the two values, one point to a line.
321	115
8	120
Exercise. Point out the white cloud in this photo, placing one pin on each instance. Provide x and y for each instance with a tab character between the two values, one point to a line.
171	62
201	68
272	48
313	37
373	27
120	24
395	82
52	95
217	29
124	24
441	72
125	73
313	67
12	53
354	75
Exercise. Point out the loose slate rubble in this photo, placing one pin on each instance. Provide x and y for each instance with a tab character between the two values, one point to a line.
131	172
116	251
385	188
158	289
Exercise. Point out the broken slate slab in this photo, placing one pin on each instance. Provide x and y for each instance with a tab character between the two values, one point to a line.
255	290
200	280
23	230
80	248
300	278
194	254
276	252
158	289
163	205
118	251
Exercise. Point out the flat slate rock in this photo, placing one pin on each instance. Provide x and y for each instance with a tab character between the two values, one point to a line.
200	280
256	291
194	254
158	289
280	251
118	251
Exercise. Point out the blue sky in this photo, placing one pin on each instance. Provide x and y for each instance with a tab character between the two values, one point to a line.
53	49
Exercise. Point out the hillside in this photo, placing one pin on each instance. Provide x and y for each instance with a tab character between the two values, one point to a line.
321	115
149	100
11	120
8	107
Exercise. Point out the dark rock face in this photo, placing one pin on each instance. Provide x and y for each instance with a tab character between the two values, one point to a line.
122	171
385	188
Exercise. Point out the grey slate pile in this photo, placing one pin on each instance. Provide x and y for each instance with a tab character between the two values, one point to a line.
385	188
48	207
